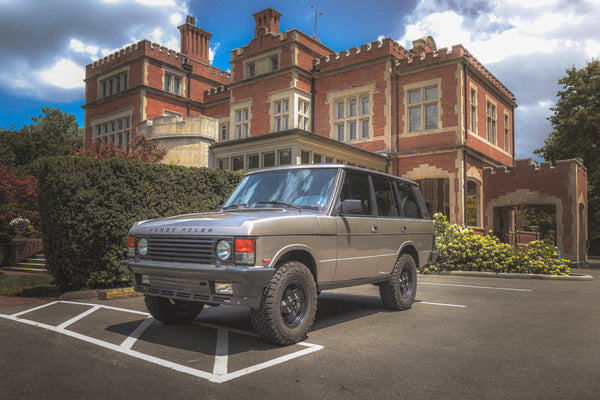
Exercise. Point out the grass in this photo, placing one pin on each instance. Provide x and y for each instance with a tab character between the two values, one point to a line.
29	285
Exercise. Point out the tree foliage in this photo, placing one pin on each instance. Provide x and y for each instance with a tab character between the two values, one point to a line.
18	198
52	134
576	133
141	148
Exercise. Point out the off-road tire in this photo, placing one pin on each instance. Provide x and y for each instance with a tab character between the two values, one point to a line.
288	305
398	293
170	311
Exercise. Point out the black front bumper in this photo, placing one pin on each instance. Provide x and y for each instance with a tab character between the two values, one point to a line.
196	282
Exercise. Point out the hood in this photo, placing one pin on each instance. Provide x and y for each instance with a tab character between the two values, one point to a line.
226	223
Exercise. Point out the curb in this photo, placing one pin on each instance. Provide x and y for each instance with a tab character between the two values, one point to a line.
508	275
111	294
100	294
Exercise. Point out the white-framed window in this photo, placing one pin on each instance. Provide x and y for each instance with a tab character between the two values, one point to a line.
473	110
253	161
241	123
284	157
117	131
506	133
223	132
491	122
113	85
303	114
422	109
172	83
352	118
281	115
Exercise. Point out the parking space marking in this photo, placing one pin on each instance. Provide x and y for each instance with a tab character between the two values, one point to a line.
440	304
475	287
77	318
220	372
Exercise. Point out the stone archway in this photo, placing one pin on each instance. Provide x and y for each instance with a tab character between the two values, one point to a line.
436	183
527	197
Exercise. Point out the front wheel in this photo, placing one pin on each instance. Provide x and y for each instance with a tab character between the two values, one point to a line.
288	305
171	311
398	293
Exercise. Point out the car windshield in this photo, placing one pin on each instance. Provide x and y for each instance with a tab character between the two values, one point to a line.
296	188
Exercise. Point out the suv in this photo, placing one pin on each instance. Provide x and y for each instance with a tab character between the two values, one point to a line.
284	235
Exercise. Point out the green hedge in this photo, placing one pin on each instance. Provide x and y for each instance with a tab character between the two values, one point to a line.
462	249
88	205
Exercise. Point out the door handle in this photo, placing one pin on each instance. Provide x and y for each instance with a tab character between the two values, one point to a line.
373	229
403	229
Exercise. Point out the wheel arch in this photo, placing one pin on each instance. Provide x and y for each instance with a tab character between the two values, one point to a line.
411	250
302	255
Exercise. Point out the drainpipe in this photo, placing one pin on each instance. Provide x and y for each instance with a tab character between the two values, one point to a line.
397	115
312	104
466	139
513	132
186	65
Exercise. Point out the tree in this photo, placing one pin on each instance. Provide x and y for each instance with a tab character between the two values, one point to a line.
53	134
140	148
18	198
576	133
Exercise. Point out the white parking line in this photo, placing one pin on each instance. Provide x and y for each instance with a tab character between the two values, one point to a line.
475	287
220	371
440	304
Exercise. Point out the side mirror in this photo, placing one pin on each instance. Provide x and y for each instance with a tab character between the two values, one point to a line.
351	206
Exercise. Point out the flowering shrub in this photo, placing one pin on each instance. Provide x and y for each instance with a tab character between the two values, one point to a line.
20	224
462	249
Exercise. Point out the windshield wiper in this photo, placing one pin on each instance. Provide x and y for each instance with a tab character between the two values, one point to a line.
280	203
241	205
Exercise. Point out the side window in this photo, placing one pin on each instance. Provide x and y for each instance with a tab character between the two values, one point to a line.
408	202
384	197
356	187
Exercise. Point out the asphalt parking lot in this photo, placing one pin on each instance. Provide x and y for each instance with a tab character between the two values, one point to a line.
465	338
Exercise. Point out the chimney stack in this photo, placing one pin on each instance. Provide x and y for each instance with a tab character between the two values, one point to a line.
267	20
194	41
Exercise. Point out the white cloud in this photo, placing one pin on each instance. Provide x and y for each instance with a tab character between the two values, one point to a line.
527	44
50	51
64	74
80	47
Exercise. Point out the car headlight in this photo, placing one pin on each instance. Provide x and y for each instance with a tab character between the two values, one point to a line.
142	246
223	250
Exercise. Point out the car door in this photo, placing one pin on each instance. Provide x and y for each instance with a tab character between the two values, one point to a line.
392	228
357	236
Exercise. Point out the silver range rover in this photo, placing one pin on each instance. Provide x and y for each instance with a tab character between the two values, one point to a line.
284	235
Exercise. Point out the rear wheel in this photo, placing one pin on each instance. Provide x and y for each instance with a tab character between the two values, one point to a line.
398	293
171	311
288	305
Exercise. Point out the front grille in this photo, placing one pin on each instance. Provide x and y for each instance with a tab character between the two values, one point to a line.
188	249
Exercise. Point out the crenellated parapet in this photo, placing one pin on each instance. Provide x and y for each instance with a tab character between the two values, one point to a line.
155	51
475	63
117	57
425	59
363	53
527	166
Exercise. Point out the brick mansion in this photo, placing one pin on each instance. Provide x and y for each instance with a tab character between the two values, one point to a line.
435	116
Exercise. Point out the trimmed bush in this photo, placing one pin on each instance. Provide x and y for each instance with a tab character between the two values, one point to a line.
462	249
87	207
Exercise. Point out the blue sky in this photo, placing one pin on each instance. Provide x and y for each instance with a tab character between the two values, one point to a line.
527	44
